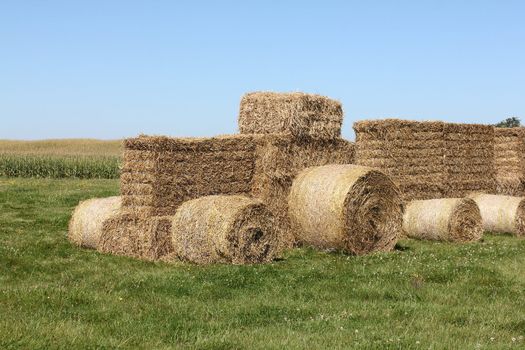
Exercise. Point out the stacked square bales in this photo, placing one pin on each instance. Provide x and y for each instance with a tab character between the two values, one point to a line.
160	173
429	159
302	130
509	160
410	152
469	159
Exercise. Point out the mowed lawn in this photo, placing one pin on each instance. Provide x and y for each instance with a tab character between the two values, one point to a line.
424	295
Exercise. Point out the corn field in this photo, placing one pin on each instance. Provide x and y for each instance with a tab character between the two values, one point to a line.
49	166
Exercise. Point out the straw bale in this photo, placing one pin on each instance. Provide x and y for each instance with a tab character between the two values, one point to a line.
346	207
224	229
410	152
510	185
509	161
501	214
135	236
304	116
160	173
445	219
278	161
469	159
85	226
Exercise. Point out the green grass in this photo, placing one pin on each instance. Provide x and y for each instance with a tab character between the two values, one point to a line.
77	158
423	295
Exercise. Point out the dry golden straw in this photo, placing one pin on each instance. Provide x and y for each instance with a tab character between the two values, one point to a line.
86	223
446	219
346	207
304	116
503	214
224	229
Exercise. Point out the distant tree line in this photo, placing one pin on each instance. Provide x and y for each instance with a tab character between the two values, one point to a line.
511	122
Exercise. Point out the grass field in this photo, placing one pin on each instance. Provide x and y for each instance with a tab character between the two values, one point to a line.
78	158
422	296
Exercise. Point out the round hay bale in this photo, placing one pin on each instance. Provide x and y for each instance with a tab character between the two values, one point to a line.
504	214
86	223
224	229
445	219
346	207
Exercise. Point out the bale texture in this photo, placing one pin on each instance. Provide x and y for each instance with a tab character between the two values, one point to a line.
409	152
501	214
279	159
86	223
468	159
445	219
509	161
135	236
224	229
298	114
346	207
160	173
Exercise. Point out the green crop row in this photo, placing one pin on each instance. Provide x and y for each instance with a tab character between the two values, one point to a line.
50	166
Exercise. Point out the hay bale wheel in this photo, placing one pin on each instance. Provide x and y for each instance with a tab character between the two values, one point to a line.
88	218
224	229
445	219
346	207
501	214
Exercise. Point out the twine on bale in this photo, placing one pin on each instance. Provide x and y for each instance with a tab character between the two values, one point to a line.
346	207
501	214
88	218
445	219
224	229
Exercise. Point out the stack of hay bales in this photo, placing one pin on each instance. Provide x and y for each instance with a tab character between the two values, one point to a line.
509	161
300	131
162	176
468	159
410	152
159	174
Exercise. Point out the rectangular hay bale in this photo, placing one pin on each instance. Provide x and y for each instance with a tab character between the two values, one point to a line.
298	114
410	152
509	160
469	159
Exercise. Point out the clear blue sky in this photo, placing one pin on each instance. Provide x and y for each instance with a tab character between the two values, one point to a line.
109	69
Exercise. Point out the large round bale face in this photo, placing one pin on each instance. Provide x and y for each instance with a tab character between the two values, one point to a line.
501	214
446	219
224	229
346	207
88	218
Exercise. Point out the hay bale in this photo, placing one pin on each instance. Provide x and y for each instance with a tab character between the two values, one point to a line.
304	116
85	226
509	161
346	207
445	219
279	159
224	229
160	173
409	152
128	234
501	214
468	159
